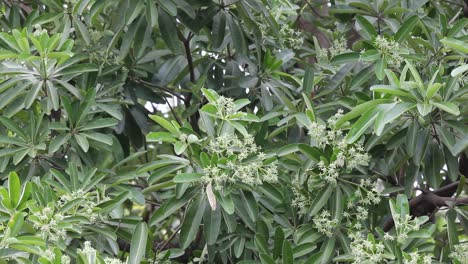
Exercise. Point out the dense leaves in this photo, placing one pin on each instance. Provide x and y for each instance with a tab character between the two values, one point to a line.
221	131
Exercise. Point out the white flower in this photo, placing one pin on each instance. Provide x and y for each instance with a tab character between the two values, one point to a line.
460	253
108	260
65	259
364	250
391	50
324	224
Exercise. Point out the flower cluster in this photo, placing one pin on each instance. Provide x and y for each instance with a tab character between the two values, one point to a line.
90	254
390	49
324	224
287	37
38	31
108	260
403	226
49	223
228	145
86	208
290	38
348	156
236	151
328	170
50	255
417	258
460	253
50	220
366	249
366	194
338	47
300	200
225	106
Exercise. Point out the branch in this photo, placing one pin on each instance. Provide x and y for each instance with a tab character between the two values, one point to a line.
188	53
429	202
164	89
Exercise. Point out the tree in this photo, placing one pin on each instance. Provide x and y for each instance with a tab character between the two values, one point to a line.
224	131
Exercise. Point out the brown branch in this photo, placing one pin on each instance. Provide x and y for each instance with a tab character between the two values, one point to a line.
429	202
164	89
188	53
164	245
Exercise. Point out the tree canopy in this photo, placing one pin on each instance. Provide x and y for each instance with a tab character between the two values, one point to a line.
230	131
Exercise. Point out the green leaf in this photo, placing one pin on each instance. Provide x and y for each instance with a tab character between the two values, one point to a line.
15	224
9	124
179	147
303	249
455	44
390	90
212	225
278	242
138	243
311	152
187	177
103	138
165	124
160	137
251	205
172	205
360	78
82	30
287	253
218	29
358	129
424	108
345	58
169	32
321	199
457	27
192	221
406	28
14	189
414	73
226	202
452	232
265	258
53	95
70	88
367	27
448	107
46	18
432	90
82	142
393	113
237	35
370	55
380	67
114	202
422	139
10	41
158	164
308	83
32	94
78	69
359	110
328	250
100	123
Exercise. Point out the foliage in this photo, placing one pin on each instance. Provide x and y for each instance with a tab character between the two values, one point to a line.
224	131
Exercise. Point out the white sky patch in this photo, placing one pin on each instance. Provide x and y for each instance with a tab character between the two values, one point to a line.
162	108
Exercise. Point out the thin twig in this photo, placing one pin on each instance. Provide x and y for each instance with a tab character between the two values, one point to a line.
157	86
163	246
173	112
